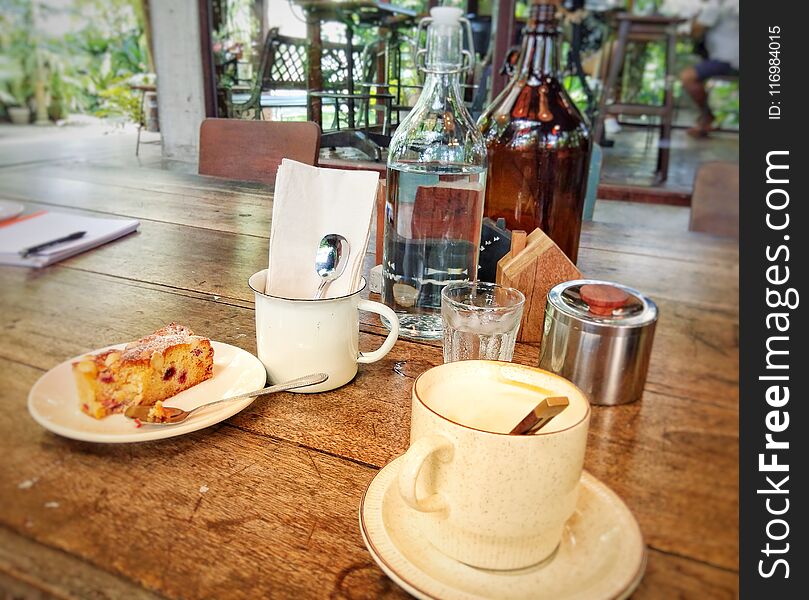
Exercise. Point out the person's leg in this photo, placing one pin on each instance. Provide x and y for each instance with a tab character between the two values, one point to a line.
694	86
693	80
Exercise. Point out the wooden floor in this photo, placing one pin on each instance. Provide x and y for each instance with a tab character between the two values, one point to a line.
632	158
628	167
115	146
91	142
626	174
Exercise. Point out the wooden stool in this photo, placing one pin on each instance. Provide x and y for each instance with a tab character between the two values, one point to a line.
143	89
639	28
715	201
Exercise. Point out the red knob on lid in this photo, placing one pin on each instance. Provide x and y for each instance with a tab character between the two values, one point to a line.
603	299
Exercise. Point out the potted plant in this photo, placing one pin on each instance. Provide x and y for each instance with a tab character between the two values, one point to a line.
17	62
15	91
19	115
57	106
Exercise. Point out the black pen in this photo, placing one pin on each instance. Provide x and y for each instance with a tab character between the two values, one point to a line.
68	238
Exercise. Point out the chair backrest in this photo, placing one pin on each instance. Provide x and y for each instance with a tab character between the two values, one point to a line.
334	66
715	200
283	64
252	150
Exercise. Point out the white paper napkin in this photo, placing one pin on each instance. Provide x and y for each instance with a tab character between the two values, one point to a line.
309	203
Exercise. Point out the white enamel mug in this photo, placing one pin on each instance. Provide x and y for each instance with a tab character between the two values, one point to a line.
491	500
296	337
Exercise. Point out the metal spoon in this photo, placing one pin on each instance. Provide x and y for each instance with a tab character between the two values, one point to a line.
331	260
177	415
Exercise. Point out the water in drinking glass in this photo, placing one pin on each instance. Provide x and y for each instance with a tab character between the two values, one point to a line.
481	321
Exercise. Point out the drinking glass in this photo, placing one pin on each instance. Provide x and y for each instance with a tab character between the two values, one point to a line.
481	320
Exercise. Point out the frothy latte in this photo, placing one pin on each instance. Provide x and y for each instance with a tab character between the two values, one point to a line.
493	396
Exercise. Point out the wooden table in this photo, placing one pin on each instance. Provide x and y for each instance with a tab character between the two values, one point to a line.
265	504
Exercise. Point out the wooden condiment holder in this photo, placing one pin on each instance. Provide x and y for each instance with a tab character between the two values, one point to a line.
534	265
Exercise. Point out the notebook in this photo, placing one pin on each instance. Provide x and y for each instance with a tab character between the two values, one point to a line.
41	227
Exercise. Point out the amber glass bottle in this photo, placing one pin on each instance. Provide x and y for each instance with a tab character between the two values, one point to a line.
537	141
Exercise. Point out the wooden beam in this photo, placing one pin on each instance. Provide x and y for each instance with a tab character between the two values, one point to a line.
643	194
206	51
314	52
503	37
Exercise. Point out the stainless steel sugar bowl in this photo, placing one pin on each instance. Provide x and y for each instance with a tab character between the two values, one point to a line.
599	334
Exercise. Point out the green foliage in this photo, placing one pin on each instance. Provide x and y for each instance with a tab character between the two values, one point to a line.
105	54
84	70
117	99
235	41
724	100
15	87
646	7
521	9
17	53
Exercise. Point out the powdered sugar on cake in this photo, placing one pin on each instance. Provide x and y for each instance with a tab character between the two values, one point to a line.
158	342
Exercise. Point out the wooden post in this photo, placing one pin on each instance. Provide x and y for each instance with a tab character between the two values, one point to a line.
503	34
206	52
350	71
381	78
315	75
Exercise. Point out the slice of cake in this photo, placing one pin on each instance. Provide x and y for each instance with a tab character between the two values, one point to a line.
153	368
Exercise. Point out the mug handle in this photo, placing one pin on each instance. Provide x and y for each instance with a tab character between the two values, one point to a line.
380	309
413	461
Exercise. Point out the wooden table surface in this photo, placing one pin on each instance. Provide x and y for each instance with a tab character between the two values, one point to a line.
265	504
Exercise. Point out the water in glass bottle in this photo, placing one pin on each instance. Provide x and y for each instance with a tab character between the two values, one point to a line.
435	184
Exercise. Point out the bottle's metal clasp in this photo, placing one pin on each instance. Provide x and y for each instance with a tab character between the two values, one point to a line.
467	53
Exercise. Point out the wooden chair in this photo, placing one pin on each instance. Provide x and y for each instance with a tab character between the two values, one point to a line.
252	150
282	67
715	201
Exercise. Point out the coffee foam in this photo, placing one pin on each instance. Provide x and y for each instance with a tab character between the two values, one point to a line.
494	396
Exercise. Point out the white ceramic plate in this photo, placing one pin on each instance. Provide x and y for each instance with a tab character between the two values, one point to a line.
54	404
601	556
9	209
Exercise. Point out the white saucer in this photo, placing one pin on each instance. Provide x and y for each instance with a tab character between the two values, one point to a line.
10	209
54	403
602	554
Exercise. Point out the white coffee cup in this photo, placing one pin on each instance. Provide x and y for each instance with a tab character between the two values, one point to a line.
297	337
492	500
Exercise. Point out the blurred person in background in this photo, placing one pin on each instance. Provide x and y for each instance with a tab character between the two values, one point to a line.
717	24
